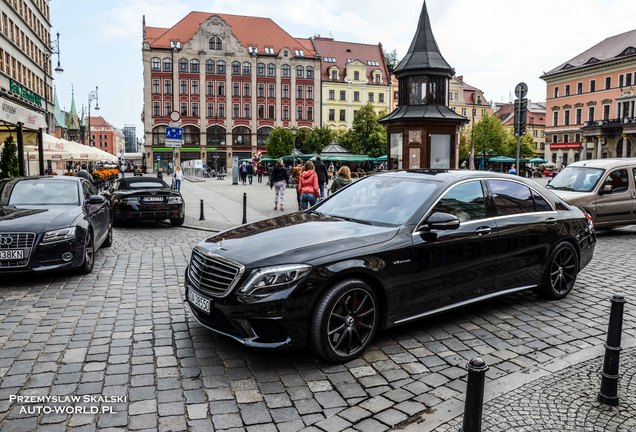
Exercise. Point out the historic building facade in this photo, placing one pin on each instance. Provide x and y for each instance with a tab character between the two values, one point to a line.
352	74
231	79
467	100
591	103
535	122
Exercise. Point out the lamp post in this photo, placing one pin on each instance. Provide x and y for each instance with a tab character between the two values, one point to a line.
294	130
53	48
92	96
472	140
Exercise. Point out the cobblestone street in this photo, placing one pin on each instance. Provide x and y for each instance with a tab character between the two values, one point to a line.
124	334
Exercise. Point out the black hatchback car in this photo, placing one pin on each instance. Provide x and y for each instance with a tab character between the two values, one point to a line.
145	198
385	250
51	223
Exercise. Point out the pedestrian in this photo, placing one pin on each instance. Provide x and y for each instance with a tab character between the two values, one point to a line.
331	172
83	172
259	172
178	177
122	171
243	172
279	180
250	173
342	179
321	171
308	186
298	169
513	169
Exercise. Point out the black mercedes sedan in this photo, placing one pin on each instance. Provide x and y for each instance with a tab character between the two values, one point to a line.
145	198
51	223
385	250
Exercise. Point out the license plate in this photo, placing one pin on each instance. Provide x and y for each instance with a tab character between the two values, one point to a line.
153	199
12	254
198	301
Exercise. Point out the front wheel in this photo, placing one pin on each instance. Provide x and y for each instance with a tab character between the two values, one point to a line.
89	254
560	272
345	321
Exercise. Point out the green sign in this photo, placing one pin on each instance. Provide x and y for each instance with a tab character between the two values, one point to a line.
27	94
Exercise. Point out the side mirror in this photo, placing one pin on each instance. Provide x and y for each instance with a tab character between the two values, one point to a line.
607	189
442	221
96	199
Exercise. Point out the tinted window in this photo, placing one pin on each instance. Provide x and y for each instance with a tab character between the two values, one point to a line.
42	192
88	190
540	203
511	197
466	201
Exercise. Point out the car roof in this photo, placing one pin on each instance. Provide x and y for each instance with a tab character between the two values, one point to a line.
449	176
604	163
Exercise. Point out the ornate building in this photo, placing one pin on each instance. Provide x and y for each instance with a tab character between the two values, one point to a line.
232	79
591	102
464	98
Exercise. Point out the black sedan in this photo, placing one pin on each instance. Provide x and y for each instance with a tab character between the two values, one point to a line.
145	198
385	250
51	223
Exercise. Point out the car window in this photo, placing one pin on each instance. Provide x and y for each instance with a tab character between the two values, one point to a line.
466	201
87	191
511	197
44	192
540	203
618	180
578	179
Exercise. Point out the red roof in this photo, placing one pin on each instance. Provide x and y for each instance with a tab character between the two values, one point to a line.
250	31
100	121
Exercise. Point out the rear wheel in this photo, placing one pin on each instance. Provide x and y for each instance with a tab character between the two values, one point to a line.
89	254
177	222
345	321
109	237
560	273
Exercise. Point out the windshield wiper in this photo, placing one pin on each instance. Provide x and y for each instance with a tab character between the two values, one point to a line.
565	188
350	219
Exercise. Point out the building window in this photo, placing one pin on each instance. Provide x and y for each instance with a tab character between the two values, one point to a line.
183	88
567	89
343	95
332	115
236	89
167	86
209	88
260	69
209	66
310	113
247	89
261	90
566	117
195	87
167	65
592	86
271	111
590	114
555	139
556	92
310	92
247	113
155	64
184	109
464	112
215	43
343	115
261	111
371	97
156	109
220	67
555	118
566	138
299	92
356	76
628	80
620	81
606	112
236	110
334	74
236	68
579	88
247	68
221	88
221	110
195	109
608	83
300	71
241	136
167	108
381	97
194	65
356	96
286	71
271	69
286	112
286	91
299	112
210	111
377	78
579	116
310	72
271	91
155	86
183	65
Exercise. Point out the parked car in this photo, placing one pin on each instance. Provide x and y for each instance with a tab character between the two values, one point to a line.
605	188
386	250
51	223
145	198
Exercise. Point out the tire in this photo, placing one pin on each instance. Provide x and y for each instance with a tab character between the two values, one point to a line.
560	272
345	321
177	222
108	242
89	254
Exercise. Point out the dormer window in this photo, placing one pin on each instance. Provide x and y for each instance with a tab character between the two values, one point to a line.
334	74
269	50
299	53
373	63
377	78
252	50
356	76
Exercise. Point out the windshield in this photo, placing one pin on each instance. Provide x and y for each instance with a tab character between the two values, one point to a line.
44	192
577	179
379	199
147	184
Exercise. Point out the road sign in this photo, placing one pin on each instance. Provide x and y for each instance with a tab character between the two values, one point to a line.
174	137
175	116
521	90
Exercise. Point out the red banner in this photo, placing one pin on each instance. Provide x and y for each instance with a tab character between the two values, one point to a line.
569	145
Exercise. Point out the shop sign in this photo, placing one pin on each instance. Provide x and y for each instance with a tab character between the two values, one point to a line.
24	92
13	113
570	145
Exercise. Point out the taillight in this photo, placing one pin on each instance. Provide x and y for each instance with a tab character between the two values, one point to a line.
590	222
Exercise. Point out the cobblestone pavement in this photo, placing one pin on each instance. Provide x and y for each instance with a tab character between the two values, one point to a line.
123	333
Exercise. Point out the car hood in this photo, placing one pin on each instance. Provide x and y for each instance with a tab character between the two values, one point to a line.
36	219
294	238
572	197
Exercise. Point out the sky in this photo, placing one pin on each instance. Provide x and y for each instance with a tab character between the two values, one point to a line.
493	44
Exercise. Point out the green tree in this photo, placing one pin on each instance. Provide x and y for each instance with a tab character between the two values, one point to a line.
491	137
319	138
280	142
391	59
367	136
9	159
527	147
464	144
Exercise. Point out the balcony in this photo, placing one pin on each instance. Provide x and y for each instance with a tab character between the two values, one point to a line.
615	126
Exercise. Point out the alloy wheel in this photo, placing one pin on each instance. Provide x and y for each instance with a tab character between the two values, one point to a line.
351	322
563	271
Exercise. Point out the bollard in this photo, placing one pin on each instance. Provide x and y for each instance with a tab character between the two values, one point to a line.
473	405
201	217
244	208
609	377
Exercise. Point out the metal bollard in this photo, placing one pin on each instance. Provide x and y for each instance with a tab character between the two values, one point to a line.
473	406
244	208
609	377
201	217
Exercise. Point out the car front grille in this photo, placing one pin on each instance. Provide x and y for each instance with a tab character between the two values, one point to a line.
213	275
11	241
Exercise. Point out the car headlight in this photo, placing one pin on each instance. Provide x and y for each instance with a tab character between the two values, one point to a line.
269	280
59	235
174	200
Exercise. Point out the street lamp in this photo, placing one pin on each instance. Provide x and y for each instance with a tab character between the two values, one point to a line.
52	48
472	141
294	131
92	96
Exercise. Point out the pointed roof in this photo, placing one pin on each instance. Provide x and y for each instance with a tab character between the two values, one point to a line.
73	123
423	54
333	147
60	121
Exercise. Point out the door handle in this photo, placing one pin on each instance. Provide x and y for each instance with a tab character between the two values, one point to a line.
483	230
551	221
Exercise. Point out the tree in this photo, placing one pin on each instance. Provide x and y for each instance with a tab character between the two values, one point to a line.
367	136
317	139
9	159
527	147
391	59
491	137
280	142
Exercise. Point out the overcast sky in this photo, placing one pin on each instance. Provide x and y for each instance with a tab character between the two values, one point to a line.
494	44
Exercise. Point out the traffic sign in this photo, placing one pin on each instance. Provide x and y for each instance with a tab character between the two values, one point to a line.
174	137
521	90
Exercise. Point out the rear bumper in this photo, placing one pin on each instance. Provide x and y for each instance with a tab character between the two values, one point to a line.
143	213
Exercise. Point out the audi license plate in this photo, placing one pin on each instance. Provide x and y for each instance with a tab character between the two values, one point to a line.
12	254
153	199
198	301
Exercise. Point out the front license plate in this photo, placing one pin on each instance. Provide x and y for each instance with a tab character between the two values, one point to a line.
198	301
11	254
153	199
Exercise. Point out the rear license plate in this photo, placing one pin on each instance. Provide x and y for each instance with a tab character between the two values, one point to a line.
12	254
153	199
199	302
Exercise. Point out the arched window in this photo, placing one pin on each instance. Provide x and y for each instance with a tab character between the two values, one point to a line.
215	43
191	136
183	65
247	68
209	66
194	65
310	72
286	71
215	136
159	135
167	65
300	71
155	64
260	69
271	69
262	135
236	68
241	136
220	67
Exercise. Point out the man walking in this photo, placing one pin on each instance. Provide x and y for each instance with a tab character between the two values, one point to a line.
321	171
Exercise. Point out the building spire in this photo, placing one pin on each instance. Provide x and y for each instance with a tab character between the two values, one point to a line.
424	54
73	120
58	115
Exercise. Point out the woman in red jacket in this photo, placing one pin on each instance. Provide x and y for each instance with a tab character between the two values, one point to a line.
308	186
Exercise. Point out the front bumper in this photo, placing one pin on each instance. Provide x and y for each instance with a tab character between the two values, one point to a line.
47	257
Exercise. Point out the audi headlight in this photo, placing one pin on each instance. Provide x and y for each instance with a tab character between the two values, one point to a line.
174	200
59	235
269	280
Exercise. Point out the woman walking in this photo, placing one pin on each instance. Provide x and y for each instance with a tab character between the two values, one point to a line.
178	177
279	180
308	186
343	178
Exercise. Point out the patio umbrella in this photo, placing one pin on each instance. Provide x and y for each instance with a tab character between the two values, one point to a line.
502	159
537	160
